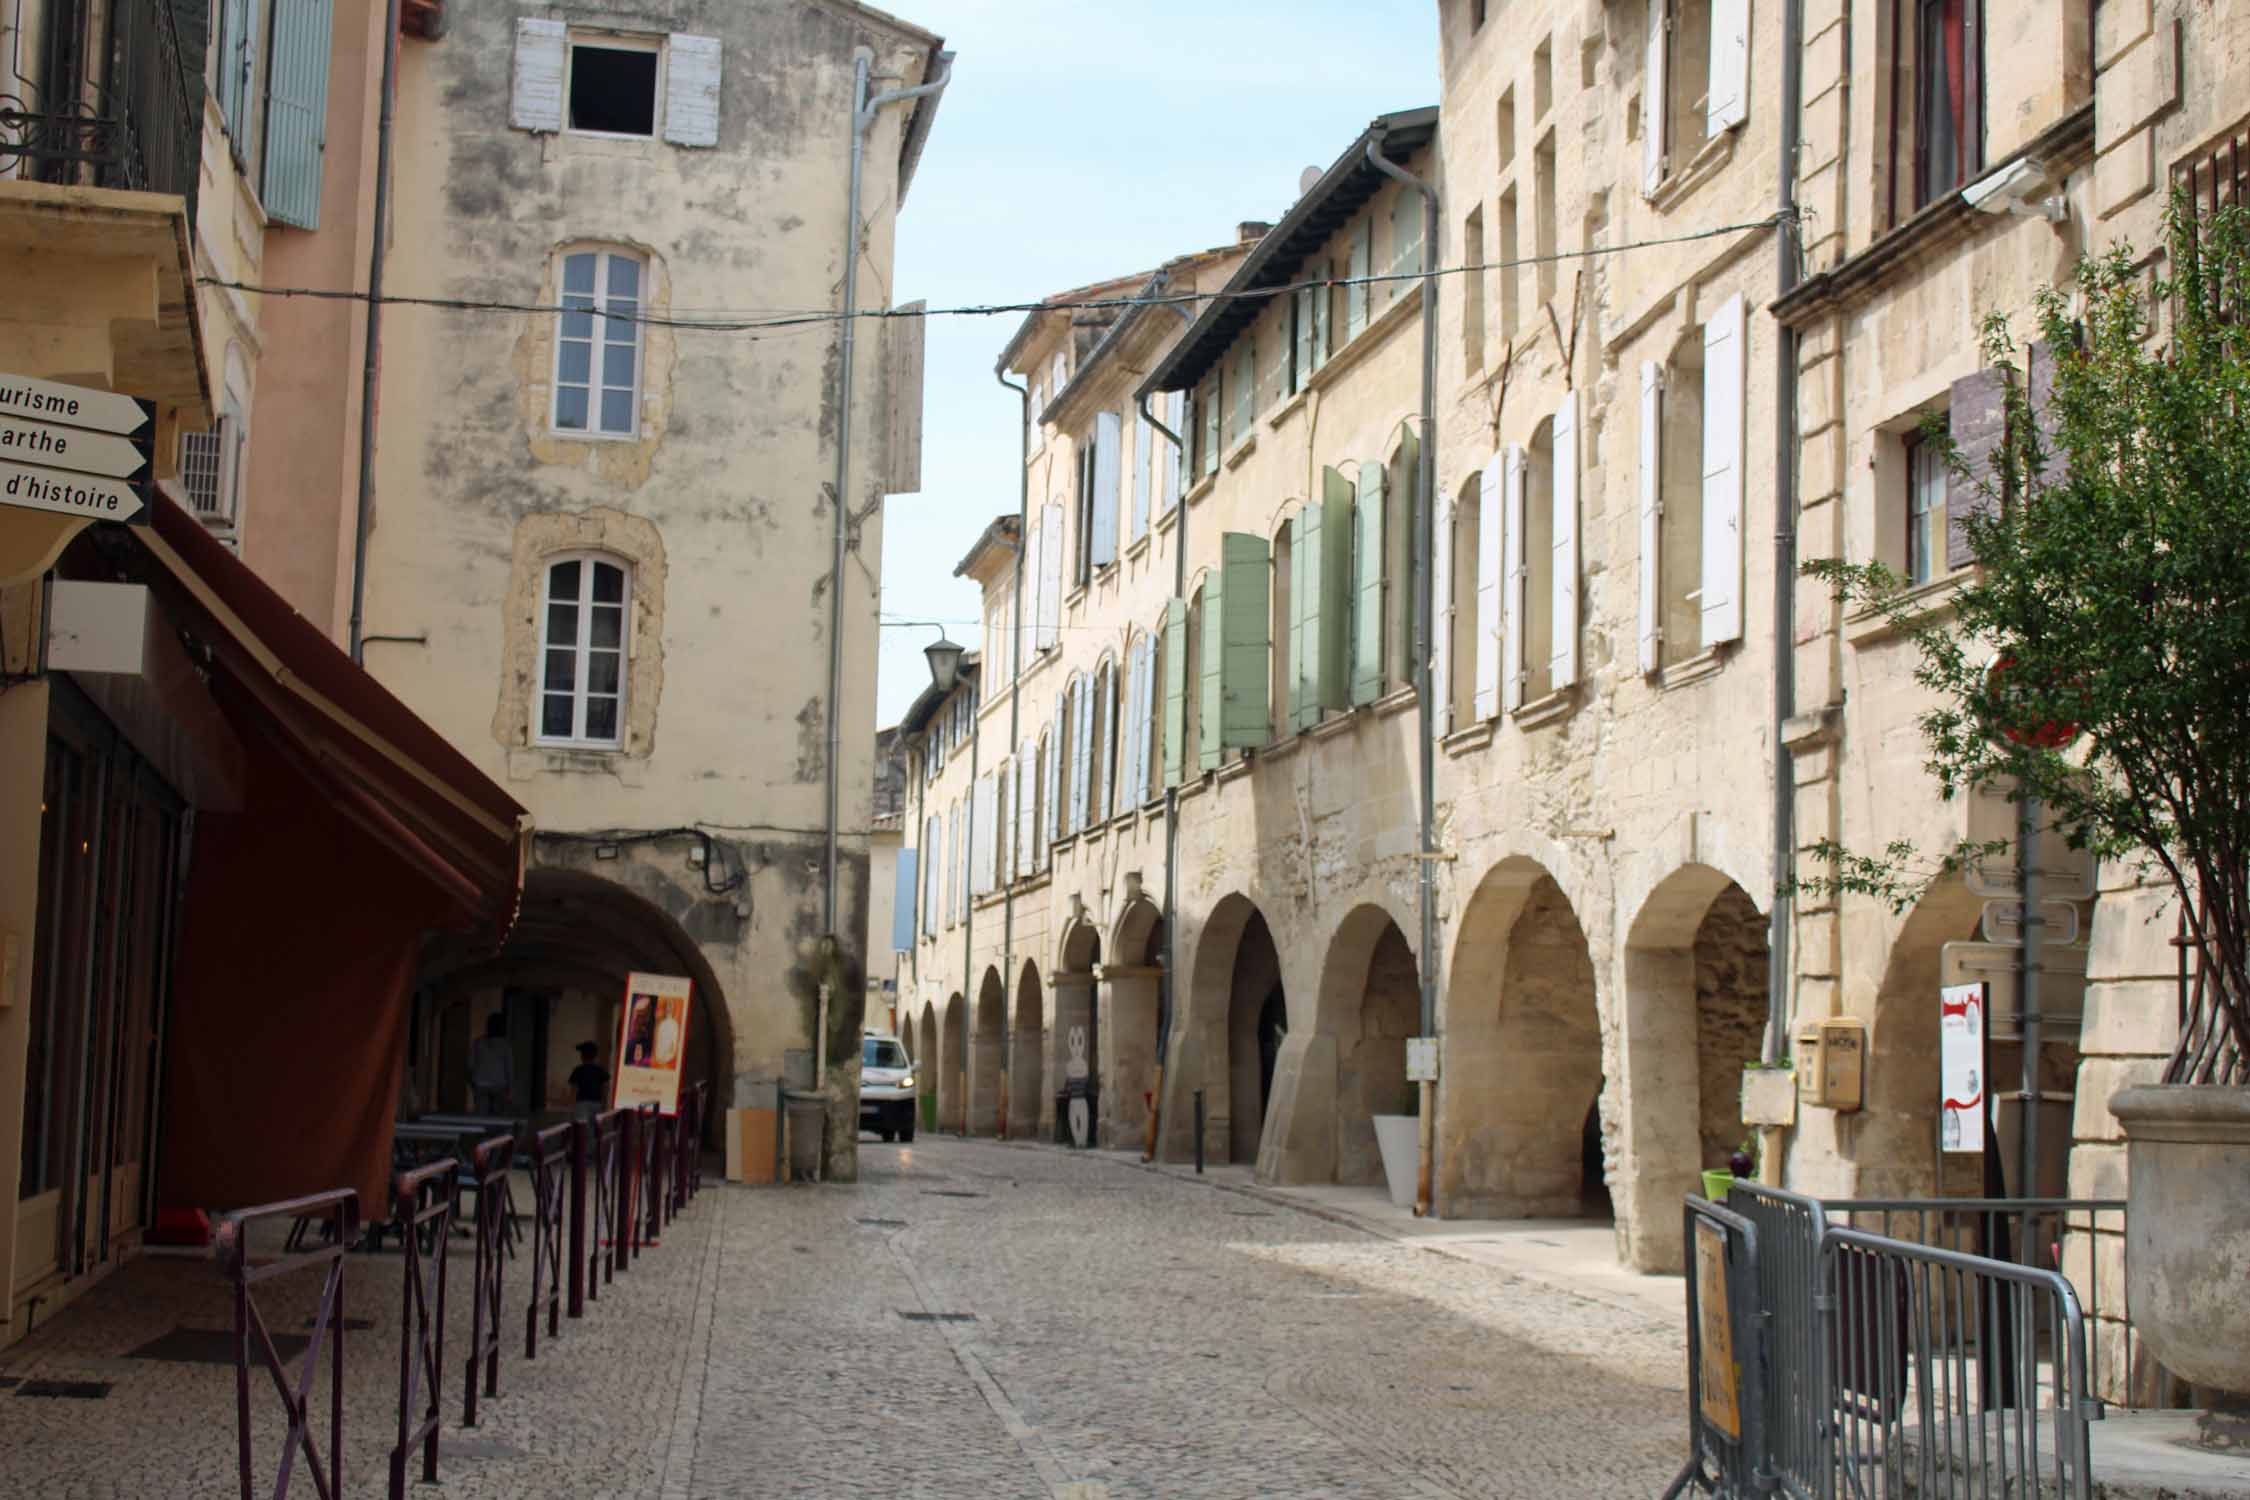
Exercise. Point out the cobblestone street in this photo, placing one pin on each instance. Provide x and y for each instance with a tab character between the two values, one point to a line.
972	1319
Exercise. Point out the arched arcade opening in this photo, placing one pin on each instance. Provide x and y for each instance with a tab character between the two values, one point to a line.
1027	1091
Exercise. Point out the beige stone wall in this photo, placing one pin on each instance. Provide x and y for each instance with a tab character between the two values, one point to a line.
722	505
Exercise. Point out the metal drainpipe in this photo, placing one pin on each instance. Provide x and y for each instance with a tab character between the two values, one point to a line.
1015	697
1425	711
864	110
1778	988
1780	993
1164	997
364	514
969	903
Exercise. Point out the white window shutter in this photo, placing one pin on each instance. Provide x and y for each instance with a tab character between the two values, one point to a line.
1148	718
1057	758
1722	472
1515	576
1652	508
1441	616
1050	577
1108	445
967	846
1175	417
1654	101
1081	752
691	90
537	101
1027	613
1099	744
980	807
1564	662
1496	502
1730	65
1144	437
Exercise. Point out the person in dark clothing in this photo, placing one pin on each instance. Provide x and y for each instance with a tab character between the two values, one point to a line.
589	1082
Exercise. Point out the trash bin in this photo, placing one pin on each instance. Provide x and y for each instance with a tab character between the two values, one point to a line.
807	1116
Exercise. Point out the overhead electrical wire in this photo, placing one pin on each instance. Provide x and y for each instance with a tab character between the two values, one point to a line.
781	319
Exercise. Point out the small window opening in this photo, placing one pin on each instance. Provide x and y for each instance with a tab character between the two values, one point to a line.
613	90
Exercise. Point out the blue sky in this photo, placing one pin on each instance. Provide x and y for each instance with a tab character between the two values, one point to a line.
1079	142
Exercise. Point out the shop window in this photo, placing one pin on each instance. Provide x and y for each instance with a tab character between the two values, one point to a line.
598	345
582	651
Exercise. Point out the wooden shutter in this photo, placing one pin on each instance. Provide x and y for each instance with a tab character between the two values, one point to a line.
1407	223
1333	577
237	46
1082	755
691	90
930	861
1308	329
1306	596
980	838
1499	496
1144	438
1109	442
1652	507
537	100
1362	262
1297	696
1730	65
1515	577
1978	421
1244	621
1175	471
1367	586
1027	604
1101	743
1723	390
1563	664
1147	718
1175	691
1058	759
1211	658
1207	407
1019	830
968	853
1441	616
1653	98
296	112
1050	578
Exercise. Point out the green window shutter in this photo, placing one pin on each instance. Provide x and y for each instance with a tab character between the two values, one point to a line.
1311	538
1362	262
1367	584
1332	576
1175	690
1210	656
296	112
1244	617
1293	697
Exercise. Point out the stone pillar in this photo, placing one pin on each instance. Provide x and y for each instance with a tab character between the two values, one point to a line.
987	1058
1300	1138
1128	1053
1074	1012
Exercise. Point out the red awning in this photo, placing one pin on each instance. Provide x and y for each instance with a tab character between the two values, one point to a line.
390	773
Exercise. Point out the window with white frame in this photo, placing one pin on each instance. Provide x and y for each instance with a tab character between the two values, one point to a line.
598	344
582	648
623	85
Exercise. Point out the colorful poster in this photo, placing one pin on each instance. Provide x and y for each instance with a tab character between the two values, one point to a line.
1961	1068
652	1042
1714	1325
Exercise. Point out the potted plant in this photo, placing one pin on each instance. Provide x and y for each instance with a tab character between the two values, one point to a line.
2095	660
1399	1138
1741	1163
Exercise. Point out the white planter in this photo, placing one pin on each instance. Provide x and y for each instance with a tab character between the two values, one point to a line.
1399	1138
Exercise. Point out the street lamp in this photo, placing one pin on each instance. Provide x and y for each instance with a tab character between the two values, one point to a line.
945	662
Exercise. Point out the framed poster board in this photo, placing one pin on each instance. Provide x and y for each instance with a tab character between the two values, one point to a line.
652	1042
1961	1069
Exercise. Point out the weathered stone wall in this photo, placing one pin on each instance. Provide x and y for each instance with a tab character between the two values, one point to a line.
1731	984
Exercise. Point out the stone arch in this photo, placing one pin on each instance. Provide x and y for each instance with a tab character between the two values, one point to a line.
1889	1143
1329	1084
1132	984
926	1063
952	1076
1520	1123
1227	1036
1028	1104
1695	1009
988	1047
1077	1025
564	966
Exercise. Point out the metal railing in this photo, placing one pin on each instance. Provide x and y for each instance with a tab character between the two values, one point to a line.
548	1155
230	1247
1730	1372
489	1168
604	1251
422	1215
118	104
1954	1374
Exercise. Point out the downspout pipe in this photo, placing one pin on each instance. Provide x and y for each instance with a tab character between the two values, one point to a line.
969	903
1425	506
864	111
363	515
1165	998
1015	701
1779	991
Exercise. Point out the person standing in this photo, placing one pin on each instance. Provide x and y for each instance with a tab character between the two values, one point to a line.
589	1082
492	1067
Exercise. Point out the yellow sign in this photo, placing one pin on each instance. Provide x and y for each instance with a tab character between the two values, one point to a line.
652	1042
1714	1326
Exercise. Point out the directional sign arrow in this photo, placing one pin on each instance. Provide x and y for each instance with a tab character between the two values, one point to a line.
78	405
36	488
70	448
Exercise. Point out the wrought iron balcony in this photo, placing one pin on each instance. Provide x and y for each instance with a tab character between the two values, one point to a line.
118	101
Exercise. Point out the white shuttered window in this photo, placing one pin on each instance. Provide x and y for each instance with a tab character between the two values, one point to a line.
1722	473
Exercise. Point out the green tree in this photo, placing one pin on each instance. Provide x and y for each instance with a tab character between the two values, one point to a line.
2097	658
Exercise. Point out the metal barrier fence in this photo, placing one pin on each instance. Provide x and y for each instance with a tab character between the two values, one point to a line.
230	1247
422	1214
1955	1374
548	1155
605	1174
489	1169
1729	1374
1886	1366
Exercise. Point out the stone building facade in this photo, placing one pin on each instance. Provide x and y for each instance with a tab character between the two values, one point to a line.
1674	370
615	555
